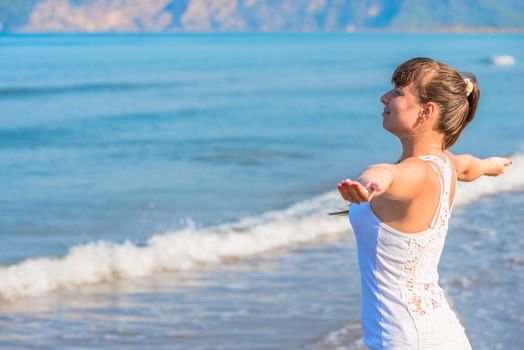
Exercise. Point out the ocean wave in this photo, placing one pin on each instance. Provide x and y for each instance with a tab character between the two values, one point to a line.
181	250
192	246
24	91
502	60
349	337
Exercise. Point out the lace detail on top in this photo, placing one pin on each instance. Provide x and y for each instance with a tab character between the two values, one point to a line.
423	296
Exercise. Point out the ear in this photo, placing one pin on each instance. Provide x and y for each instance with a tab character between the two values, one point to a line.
429	111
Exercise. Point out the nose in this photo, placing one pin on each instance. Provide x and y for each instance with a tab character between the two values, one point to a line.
385	98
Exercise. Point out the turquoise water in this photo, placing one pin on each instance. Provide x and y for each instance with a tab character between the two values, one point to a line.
155	155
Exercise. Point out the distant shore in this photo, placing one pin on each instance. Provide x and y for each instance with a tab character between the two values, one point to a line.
443	30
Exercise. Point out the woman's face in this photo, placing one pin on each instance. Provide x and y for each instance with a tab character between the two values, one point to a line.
401	110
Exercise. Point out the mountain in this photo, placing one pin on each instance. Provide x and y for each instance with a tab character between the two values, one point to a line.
259	15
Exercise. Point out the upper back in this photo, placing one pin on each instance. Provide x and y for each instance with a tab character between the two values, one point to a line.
435	188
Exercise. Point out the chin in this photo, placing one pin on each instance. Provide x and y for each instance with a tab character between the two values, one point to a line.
392	131
385	125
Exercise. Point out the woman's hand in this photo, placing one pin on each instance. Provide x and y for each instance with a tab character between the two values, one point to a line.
359	191
495	165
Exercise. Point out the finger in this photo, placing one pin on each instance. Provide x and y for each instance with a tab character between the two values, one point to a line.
353	189
356	198
508	162
342	191
352	196
347	190
360	191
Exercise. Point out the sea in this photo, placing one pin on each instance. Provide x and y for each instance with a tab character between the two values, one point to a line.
172	191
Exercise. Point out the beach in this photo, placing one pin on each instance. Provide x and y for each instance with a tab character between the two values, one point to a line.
172	192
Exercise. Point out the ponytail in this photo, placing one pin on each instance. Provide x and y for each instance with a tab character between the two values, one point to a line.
452	131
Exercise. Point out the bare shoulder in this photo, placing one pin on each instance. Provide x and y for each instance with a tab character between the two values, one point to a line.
408	165
412	162
409	178
413	171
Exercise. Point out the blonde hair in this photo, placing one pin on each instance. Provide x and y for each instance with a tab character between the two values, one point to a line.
456	97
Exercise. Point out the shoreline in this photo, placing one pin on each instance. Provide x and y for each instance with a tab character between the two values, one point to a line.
305	297
515	31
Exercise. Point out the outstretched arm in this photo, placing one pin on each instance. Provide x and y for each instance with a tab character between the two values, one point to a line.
396	181
470	168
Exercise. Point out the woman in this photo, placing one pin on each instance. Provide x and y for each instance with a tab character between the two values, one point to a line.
400	211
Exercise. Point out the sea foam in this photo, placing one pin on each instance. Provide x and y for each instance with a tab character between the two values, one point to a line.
503	60
191	247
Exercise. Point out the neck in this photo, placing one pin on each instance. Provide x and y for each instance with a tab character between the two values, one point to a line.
413	147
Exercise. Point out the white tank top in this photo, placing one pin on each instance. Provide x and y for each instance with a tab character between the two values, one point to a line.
403	306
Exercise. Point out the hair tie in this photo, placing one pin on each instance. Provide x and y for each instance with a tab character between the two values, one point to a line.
469	86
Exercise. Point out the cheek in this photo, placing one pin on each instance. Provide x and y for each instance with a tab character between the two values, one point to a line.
398	118
395	106
400	112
